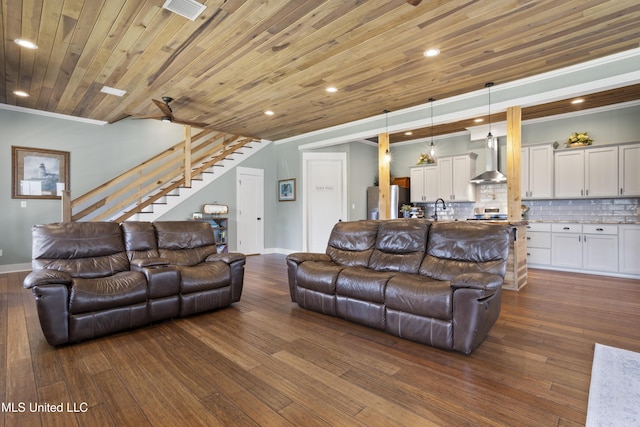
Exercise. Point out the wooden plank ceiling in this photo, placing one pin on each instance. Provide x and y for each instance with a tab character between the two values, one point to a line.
240	57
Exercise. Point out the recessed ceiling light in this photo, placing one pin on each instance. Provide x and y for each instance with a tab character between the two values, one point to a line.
269	113
331	89
20	93
113	91
431	52
578	101
26	43
408	133
478	120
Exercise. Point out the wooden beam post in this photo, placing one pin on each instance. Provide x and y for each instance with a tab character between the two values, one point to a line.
514	129
384	176
187	156
66	206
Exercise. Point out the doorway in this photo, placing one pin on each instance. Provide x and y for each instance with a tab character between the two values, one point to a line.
250	215
324	197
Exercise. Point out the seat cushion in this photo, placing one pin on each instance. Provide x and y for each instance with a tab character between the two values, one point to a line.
121	289
363	283
420	295
205	276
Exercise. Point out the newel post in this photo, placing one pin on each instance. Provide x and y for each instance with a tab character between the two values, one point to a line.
66	206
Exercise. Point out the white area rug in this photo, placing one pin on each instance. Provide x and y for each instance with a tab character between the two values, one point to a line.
614	393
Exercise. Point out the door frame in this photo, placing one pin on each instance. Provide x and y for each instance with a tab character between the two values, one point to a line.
255	172
310	157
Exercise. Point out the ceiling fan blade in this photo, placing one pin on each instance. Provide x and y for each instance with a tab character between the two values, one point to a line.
166	110
148	117
194	124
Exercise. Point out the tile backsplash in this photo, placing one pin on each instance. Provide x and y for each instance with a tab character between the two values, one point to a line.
495	195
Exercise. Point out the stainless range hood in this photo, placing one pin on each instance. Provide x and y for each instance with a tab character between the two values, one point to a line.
492	174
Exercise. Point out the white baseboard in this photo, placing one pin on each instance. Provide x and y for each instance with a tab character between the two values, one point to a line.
15	268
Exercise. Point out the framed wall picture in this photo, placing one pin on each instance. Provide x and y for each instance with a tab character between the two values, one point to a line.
287	190
39	173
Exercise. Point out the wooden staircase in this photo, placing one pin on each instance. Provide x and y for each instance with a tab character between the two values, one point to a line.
155	186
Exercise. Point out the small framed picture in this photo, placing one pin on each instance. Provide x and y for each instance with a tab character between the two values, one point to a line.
287	190
39	173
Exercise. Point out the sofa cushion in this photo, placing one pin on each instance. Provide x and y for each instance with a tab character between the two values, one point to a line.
400	245
420	295
363	283
185	243
81	249
465	247
140	240
351	243
205	276
120	290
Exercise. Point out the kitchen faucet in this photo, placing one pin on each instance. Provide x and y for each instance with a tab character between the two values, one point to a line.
435	208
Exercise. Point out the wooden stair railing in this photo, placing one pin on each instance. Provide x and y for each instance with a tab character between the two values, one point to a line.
134	190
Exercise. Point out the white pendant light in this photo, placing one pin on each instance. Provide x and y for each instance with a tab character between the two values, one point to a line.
432	147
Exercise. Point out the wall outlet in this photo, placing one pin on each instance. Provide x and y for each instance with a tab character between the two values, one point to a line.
23	204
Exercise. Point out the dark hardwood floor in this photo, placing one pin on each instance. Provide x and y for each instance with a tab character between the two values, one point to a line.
265	361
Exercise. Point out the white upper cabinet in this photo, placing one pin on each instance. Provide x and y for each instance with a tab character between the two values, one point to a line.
601	179
424	183
454	174
537	172
629	170
590	172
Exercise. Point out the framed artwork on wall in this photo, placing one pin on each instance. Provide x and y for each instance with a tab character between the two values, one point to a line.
38	173
287	190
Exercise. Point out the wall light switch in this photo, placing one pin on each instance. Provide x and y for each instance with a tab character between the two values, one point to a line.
23	204
0	252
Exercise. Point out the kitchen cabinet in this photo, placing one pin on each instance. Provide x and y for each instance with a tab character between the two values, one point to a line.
539	244
629	247
600	247
566	245
588	247
424	183
454	174
590	172
629	172
537	171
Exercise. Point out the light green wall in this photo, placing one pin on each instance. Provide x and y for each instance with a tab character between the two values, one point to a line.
99	153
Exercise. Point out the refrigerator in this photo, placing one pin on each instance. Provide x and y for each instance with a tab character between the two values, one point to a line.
398	196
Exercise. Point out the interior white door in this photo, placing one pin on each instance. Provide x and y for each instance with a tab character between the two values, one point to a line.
324	196
250	215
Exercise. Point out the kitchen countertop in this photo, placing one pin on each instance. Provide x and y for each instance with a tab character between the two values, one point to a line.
568	221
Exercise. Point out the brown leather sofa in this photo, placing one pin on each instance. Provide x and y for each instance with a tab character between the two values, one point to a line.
93	279
437	283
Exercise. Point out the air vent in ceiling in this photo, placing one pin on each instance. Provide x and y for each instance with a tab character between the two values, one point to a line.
190	9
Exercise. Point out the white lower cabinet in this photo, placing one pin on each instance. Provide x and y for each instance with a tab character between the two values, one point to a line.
629	248
539	244
591	247
600	247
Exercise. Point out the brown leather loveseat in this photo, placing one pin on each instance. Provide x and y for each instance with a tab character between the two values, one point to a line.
93	279
437	283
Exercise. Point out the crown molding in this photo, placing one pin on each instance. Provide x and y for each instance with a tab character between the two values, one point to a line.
53	115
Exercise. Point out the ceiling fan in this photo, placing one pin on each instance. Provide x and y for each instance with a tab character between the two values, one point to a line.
167	114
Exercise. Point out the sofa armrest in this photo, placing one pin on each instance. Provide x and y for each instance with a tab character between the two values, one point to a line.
300	257
46	277
294	260
148	262
483	281
228	258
